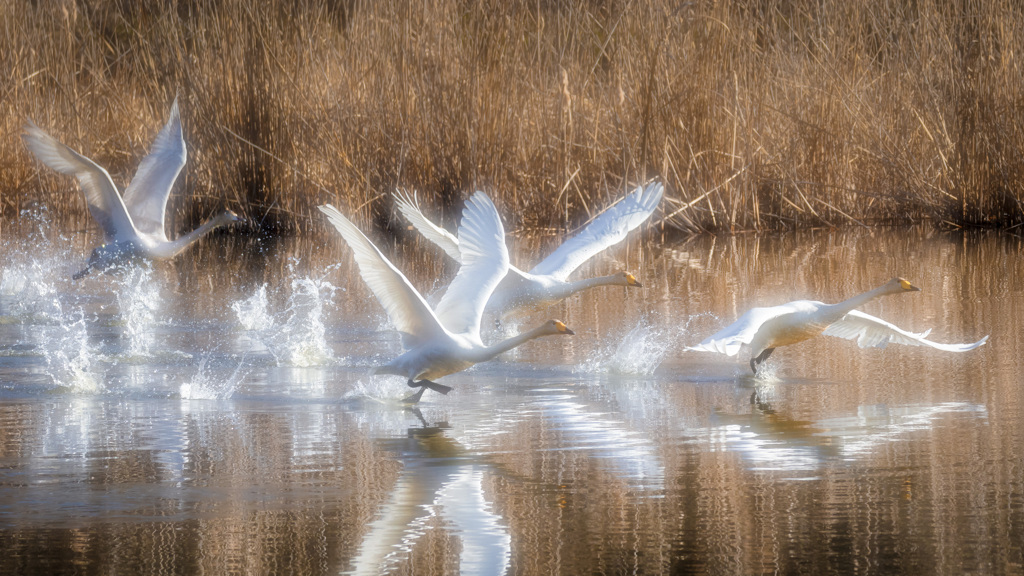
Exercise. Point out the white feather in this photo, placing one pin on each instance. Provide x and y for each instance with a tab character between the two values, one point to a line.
546	283
133	226
872	332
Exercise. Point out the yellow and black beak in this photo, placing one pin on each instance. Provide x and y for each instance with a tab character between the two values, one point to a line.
563	329
906	285
632	281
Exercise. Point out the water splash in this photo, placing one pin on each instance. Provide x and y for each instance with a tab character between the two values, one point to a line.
69	358
297	335
640	351
767	374
28	294
208	384
382	390
139	300
252	312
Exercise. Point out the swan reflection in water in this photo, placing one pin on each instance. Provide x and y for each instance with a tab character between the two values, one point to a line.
771	440
440	480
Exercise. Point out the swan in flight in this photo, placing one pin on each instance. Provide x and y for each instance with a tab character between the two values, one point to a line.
446	339
133	227
547	283
765	329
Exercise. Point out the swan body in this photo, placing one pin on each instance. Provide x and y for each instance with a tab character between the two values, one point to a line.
547	282
765	329
445	339
133	226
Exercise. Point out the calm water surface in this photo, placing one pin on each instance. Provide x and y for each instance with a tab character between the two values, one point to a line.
219	415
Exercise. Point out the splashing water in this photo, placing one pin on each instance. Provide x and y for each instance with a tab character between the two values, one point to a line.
640	351
252	312
209	384
767	373
69	357
27	294
138	297
300	340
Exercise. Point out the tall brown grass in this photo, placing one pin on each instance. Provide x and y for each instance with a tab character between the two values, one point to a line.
757	115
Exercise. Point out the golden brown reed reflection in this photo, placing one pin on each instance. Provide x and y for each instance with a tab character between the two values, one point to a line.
847	460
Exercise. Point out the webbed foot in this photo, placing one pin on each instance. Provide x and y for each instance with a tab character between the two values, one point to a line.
423	385
755	362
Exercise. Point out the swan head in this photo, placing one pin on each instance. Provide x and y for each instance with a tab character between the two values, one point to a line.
557	327
627	279
228	216
898	285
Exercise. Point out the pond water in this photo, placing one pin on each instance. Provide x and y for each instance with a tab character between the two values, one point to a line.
218	415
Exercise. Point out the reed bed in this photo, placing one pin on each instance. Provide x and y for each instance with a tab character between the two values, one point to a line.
758	115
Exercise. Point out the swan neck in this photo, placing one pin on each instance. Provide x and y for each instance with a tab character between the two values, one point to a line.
587	283
176	246
510	343
859	300
600	281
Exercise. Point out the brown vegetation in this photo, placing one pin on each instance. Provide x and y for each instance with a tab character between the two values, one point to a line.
757	115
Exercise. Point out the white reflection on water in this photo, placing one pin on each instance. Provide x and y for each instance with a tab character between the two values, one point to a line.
440	481
771	441
604	435
879	424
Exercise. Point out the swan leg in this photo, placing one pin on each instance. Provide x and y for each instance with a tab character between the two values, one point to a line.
81	273
414	398
423	385
441	388
754	362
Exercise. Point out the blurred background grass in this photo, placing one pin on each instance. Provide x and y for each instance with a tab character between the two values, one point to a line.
757	115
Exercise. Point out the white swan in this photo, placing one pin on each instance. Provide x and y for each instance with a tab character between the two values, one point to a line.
765	329
445	340
547	282
133	227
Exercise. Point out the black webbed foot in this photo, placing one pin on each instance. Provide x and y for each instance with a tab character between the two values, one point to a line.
414	397
755	362
423	385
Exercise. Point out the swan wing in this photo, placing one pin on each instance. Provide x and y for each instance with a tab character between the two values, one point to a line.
405	307
609	228
484	260
146	195
870	331
101	195
730	339
410	208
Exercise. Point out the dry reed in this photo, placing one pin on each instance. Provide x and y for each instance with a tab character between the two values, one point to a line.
758	115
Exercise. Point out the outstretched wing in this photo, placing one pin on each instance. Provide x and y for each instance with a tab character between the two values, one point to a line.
484	260
730	339
609	228
101	195
406	309
870	331
146	196
410	208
